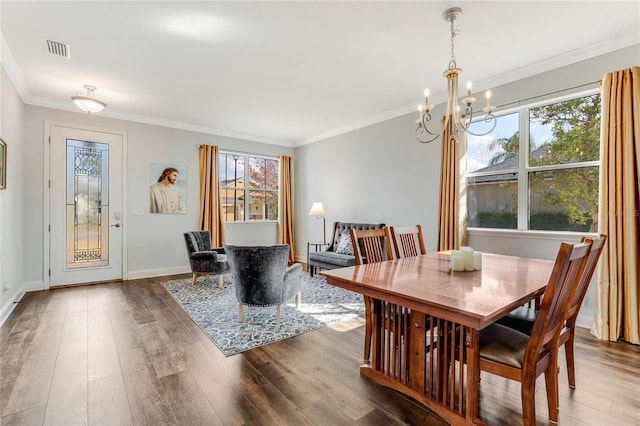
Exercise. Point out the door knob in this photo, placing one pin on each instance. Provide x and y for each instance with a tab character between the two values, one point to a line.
117	225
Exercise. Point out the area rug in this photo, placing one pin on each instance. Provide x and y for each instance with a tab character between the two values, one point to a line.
215	310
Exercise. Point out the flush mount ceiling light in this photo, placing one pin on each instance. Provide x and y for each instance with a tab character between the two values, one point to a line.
88	102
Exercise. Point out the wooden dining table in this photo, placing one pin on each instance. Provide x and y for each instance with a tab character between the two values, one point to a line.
425	317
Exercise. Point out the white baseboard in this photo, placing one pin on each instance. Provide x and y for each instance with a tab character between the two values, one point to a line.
148	273
10	305
584	321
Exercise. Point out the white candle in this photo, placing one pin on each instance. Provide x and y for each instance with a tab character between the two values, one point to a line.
467	253
468	89
457	260
426	97
421	113
488	95
477	260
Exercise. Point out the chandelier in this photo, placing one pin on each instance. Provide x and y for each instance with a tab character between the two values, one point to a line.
457	119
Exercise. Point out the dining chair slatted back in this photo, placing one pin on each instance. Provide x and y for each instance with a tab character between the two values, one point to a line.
370	246
408	241
514	355
567	335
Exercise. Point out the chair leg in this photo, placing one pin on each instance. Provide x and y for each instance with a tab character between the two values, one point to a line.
551	383
367	330
528	400
240	312
220	281
194	278
278	311
298	299
568	350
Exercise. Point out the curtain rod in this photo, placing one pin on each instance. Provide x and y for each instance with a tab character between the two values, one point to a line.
253	154
580	86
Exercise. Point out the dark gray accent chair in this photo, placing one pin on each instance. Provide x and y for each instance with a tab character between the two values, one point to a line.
261	276
329	259
203	259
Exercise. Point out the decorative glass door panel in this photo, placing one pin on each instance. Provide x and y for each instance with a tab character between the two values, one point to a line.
87	204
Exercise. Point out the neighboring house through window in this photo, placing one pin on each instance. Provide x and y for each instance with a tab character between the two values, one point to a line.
261	173
538	169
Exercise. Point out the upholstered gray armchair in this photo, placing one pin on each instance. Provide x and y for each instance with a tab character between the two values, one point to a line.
261	276
203	259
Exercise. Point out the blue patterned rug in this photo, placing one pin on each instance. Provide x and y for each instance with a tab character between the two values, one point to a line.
215	310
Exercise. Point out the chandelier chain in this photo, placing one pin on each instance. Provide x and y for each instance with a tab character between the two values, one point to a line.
454	33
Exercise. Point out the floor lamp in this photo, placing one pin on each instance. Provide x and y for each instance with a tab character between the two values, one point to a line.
318	211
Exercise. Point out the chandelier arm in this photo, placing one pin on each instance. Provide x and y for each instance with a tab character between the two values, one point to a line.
418	133
487	119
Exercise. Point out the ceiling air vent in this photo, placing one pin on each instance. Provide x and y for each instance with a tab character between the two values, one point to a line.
58	48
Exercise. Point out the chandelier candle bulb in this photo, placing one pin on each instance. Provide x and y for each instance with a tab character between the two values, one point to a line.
426	97
488	95
457	260
477	260
468	89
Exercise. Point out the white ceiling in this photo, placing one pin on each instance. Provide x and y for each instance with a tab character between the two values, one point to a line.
291	72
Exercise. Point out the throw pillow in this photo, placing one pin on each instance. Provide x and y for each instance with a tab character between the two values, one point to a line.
344	245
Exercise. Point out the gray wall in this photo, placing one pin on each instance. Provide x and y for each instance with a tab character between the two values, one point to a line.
14	256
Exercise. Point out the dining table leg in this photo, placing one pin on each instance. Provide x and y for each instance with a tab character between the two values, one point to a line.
473	374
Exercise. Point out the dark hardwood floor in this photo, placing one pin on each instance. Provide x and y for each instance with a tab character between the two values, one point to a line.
126	353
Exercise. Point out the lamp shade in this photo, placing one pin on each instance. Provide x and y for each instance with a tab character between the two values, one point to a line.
88	102
316	210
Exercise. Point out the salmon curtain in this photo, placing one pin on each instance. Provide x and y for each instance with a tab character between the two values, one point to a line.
285	223
210	215
449	202
618	298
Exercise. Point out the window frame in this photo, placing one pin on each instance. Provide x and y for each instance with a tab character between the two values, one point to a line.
524	169
247	189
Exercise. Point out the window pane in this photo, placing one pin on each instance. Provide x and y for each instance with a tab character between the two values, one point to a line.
263	205
492	201
231	171
496	151
564	200
232	204
263	173
565	132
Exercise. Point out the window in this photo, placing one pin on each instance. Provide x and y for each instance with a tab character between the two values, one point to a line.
538	169
261	190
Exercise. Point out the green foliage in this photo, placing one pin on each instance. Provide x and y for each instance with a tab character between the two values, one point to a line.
548	221
575	126
558	221
504	219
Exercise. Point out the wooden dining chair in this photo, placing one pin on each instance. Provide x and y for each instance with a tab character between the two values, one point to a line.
514	355
407	241
370	246
523	318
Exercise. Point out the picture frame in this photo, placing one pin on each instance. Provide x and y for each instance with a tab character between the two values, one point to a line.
168	188
3	164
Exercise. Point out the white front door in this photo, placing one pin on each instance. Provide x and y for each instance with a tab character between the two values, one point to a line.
85	206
